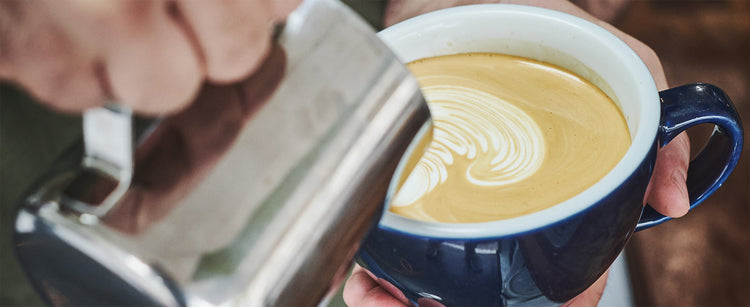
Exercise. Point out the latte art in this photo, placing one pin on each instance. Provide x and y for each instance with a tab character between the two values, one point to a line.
504	144
511	136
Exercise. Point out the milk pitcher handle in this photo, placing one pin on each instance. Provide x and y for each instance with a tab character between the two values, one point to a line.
107	166
686	106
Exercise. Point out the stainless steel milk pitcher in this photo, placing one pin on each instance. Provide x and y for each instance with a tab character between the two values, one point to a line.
257	194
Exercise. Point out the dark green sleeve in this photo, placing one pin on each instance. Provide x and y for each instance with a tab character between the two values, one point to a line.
31	137
371	10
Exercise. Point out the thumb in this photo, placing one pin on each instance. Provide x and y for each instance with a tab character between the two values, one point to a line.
667	192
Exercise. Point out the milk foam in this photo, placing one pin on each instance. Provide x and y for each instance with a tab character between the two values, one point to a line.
511	136
503	142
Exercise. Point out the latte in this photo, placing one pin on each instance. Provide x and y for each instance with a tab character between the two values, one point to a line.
511	136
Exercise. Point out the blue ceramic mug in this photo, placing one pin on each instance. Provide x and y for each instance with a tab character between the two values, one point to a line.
550	256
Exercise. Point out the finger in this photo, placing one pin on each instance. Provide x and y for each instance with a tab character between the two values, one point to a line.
151	64
232	35
357	286
146	60
605	10
592	295
428	302
400	10
63	81
281	8
186	146
361	289
42	58
379	297
667	192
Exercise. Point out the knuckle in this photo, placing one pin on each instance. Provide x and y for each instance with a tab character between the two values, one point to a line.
235	61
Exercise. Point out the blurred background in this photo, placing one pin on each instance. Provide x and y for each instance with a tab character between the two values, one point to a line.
702	259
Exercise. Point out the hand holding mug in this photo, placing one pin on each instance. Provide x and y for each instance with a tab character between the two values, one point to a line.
545	256
667	191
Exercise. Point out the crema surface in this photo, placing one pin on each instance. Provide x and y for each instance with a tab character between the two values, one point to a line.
511	136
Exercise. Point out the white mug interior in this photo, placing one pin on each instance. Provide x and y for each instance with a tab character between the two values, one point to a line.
548	36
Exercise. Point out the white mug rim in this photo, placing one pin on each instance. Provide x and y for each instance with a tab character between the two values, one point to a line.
641	142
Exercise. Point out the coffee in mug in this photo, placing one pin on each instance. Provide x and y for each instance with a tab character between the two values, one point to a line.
545	257
511	136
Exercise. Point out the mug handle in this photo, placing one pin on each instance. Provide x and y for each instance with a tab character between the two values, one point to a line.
686	106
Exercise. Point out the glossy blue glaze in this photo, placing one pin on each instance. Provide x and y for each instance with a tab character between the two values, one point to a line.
552	264
687	106
545	266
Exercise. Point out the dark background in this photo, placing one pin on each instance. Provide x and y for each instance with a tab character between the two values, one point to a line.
702	259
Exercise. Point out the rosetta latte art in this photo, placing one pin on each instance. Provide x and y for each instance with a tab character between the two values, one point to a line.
511	136
504	144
